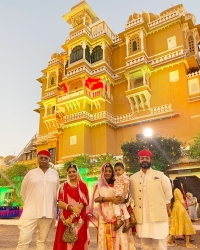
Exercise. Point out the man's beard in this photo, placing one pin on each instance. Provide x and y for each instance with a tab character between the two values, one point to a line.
145	164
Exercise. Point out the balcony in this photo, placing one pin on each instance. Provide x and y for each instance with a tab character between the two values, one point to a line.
82	92
139	98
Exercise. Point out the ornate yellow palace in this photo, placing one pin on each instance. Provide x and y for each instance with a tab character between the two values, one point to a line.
105	88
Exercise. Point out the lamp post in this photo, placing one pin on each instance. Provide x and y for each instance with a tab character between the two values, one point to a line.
148	132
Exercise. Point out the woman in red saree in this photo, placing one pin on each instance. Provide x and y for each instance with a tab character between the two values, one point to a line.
73	199
102	214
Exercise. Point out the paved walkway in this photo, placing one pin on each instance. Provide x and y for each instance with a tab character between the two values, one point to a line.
9	234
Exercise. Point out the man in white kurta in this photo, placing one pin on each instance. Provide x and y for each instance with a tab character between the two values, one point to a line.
152	193
39	193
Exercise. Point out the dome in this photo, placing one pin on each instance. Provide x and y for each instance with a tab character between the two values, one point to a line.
55	55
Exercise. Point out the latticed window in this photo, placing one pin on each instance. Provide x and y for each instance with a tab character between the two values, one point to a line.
191	43
97	54
134	44
76	54
87	53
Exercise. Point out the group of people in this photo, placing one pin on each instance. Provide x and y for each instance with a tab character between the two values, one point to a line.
109	208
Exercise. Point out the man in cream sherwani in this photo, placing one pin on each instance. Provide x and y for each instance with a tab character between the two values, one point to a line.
151	191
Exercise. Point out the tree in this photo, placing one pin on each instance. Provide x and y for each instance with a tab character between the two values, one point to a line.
194	151
88	166
165	152
13	176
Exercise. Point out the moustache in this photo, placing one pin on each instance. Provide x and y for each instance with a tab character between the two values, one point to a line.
145	164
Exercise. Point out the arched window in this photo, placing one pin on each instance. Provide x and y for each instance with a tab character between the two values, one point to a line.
66	66
52	81
76	54
191	44
134	48
97	54
87	53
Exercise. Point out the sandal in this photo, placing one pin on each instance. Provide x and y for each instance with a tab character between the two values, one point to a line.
117	226
172	244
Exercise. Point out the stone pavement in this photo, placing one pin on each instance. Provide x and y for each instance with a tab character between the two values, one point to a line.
9	234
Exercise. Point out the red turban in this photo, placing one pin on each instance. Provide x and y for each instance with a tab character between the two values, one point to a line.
145	152
44	152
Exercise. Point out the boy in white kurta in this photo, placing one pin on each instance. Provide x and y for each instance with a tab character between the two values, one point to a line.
121	188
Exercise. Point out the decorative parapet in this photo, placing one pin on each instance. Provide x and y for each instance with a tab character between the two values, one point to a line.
41	139
49	94
136	61
134	23
54	61
91	72
117	120
169	57
77	34
161	109
194	74
164	19
114	38
71	95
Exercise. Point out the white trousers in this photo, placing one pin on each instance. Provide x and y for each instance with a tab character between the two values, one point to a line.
153	244
27	227
118	208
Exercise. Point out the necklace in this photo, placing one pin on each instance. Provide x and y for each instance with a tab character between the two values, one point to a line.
73	185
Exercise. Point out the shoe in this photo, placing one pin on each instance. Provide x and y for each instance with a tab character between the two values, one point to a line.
117	226
126	228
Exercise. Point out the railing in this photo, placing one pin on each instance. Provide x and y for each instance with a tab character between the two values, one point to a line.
91	72
196	73
138	60
54	61
115	119
134	23
70	95
164	19
171	56
49	94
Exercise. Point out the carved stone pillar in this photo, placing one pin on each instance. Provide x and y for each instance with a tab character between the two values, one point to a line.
103	47
127	46
142	39
84	47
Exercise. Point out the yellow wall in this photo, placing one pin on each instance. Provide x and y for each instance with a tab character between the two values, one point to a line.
102	120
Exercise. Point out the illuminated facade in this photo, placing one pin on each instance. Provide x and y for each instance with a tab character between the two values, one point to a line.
105	88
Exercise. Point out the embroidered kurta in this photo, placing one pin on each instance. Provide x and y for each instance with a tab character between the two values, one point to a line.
39	193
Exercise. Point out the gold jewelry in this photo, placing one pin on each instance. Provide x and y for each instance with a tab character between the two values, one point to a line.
69	236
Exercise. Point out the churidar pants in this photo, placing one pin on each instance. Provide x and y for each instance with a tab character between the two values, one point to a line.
27	227
151	244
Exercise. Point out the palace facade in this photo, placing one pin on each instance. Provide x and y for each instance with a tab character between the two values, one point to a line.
106	88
